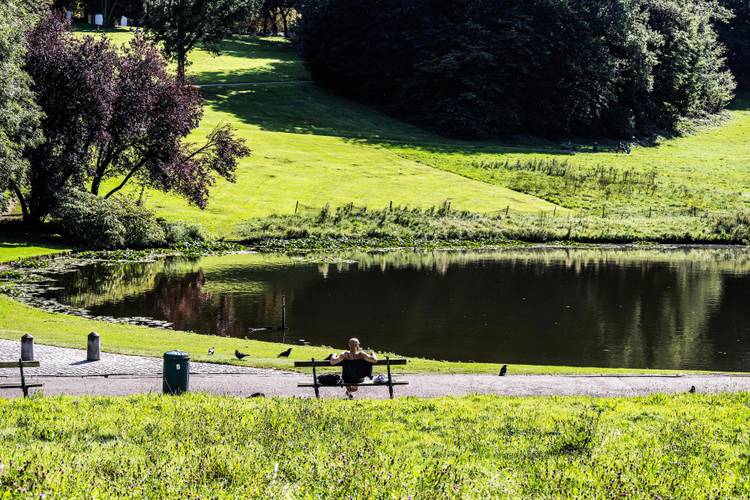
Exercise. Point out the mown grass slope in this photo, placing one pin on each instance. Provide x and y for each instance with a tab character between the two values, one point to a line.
688	446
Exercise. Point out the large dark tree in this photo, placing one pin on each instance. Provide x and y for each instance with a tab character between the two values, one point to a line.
19	114
483	68
735	34
180	25
120	116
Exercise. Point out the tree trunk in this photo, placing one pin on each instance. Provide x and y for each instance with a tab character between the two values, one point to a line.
95	184
21	200
283	21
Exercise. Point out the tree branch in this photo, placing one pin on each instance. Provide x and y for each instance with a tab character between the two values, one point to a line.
24	207
132	172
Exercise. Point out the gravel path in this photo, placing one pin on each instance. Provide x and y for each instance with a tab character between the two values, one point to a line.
65	372
63	362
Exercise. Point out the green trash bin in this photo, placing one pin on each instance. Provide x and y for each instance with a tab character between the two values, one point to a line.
176	376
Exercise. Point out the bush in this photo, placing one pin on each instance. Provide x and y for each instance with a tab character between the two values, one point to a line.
100	223
486	68
732	228
178	233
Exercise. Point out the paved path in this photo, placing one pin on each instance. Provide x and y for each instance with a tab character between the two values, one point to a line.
62	362
64	371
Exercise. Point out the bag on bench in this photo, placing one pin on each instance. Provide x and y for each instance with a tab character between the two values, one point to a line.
330	379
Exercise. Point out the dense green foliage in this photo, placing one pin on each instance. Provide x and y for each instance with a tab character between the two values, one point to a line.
735	34
688	446
105	223
483	68
19	114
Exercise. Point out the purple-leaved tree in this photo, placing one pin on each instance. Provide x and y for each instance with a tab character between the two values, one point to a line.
118	115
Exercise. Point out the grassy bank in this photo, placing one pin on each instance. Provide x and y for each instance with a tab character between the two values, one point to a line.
475	447
352	227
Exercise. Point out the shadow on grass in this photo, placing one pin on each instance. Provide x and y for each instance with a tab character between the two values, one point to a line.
304	108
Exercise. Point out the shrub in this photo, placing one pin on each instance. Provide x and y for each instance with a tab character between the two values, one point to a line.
732	228
106	223
179	233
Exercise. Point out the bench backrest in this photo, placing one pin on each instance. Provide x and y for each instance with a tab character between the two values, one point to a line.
18	364
316	363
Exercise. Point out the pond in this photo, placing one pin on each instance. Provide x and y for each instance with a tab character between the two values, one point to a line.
670	309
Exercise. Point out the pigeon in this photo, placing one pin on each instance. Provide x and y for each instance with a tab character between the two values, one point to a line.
692	389
328	358
285	354
240	355
211	351
503	370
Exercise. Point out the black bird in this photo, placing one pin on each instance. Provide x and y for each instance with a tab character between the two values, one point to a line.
240	355
257	395
211	351
328	358
692	389
285	354
503	371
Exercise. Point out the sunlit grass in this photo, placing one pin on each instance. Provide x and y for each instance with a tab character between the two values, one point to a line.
688	446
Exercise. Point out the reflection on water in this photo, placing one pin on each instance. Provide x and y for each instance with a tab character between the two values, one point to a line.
682	309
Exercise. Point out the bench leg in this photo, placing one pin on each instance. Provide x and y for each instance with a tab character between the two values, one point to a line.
390	380
315	381
23	380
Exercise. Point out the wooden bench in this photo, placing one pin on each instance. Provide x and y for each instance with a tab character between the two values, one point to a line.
23	385
388	362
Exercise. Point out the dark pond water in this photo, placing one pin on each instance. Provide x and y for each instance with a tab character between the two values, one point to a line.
681	309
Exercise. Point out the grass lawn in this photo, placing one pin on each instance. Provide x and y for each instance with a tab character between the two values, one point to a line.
241	59
706	171
13	249
688	446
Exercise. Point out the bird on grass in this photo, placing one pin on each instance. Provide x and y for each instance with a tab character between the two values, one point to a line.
240	355
285	354
257	395
692	389
503	371
211	351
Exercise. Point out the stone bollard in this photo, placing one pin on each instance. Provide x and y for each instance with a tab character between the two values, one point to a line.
27	348
93	350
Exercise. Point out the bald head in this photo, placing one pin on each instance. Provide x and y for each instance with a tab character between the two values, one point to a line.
354	344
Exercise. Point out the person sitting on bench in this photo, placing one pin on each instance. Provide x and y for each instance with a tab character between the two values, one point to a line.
356	365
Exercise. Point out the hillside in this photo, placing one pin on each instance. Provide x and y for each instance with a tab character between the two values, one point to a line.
316	149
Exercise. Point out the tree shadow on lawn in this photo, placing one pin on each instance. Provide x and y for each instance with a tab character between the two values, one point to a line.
304	108
283	65
275	72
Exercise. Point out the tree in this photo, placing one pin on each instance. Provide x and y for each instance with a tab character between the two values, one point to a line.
117	115
180	25
485	68
735	34
19	114
278	10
